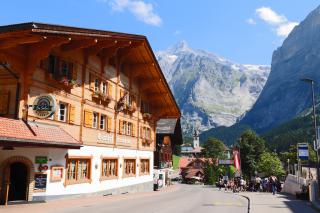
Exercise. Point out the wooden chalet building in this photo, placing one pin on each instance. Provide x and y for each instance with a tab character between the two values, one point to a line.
78	111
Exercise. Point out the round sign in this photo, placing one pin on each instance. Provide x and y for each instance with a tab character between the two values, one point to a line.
44	106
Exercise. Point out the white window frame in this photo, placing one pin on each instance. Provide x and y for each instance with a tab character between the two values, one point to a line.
129	128
104	87
65	112
95	116
102	122
124	127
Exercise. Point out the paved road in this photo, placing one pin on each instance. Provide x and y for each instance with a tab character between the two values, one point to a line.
184	199
175	199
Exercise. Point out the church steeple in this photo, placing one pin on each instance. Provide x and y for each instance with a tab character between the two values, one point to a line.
195	139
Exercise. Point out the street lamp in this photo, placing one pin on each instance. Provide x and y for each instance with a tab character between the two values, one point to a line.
311	81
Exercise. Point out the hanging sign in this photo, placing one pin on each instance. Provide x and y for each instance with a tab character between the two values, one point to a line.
41	159
303	151
44	106
226	162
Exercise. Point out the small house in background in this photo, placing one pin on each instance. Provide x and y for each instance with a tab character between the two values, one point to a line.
191	169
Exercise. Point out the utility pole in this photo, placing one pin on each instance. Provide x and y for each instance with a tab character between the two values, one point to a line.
311	81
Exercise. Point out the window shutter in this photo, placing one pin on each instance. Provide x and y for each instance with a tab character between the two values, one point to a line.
133	130
110	89
141	132
87	118
151	134
109	128
120	126
121	93
92	82
72	114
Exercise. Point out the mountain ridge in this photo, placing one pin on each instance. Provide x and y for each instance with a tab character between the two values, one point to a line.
210	90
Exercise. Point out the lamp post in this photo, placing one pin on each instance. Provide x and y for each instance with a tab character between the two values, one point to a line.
311	81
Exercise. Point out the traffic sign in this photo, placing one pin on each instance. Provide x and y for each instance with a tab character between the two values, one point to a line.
303	151
226	162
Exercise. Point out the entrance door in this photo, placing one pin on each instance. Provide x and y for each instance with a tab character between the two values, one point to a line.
18	181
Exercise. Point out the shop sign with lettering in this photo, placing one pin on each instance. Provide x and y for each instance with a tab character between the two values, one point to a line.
44	106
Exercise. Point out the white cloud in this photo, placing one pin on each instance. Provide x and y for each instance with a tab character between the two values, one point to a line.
280	24
270	16
141	10
251	21
284	29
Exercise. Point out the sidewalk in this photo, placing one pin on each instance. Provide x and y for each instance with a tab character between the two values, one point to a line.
279	203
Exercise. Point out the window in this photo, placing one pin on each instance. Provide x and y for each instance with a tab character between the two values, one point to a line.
94	120
146	133
109	168
78	169
104	88
124	127
144	166
102	122
62	112
96	85
129	128
59	69
129	167
64	69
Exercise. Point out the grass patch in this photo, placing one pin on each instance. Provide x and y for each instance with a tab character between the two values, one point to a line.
176	160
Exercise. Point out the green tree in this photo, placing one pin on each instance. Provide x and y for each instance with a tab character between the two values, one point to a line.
270	164
251	147
214	149
291	154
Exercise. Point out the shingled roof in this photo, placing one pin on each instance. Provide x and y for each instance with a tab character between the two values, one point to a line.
19	133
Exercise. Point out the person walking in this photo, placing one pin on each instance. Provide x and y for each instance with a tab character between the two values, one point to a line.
273	182
220	181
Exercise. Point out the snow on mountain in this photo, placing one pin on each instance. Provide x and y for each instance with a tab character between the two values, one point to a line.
210	90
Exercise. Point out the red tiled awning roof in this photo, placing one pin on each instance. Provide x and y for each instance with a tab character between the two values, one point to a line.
19	133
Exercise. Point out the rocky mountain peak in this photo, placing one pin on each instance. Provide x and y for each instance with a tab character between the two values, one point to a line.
210	90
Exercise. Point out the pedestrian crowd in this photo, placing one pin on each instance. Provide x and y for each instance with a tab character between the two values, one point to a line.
256	184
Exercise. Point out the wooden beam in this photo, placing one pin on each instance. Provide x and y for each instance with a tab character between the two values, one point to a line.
142	79
94	50
137	70
42	49
156	94
78	44
126	51
113	51
139	66
13	42
145	86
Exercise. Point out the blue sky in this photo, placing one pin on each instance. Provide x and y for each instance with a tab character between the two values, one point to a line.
245	31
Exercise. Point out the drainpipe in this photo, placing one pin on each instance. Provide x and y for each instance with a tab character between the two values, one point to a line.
4	65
